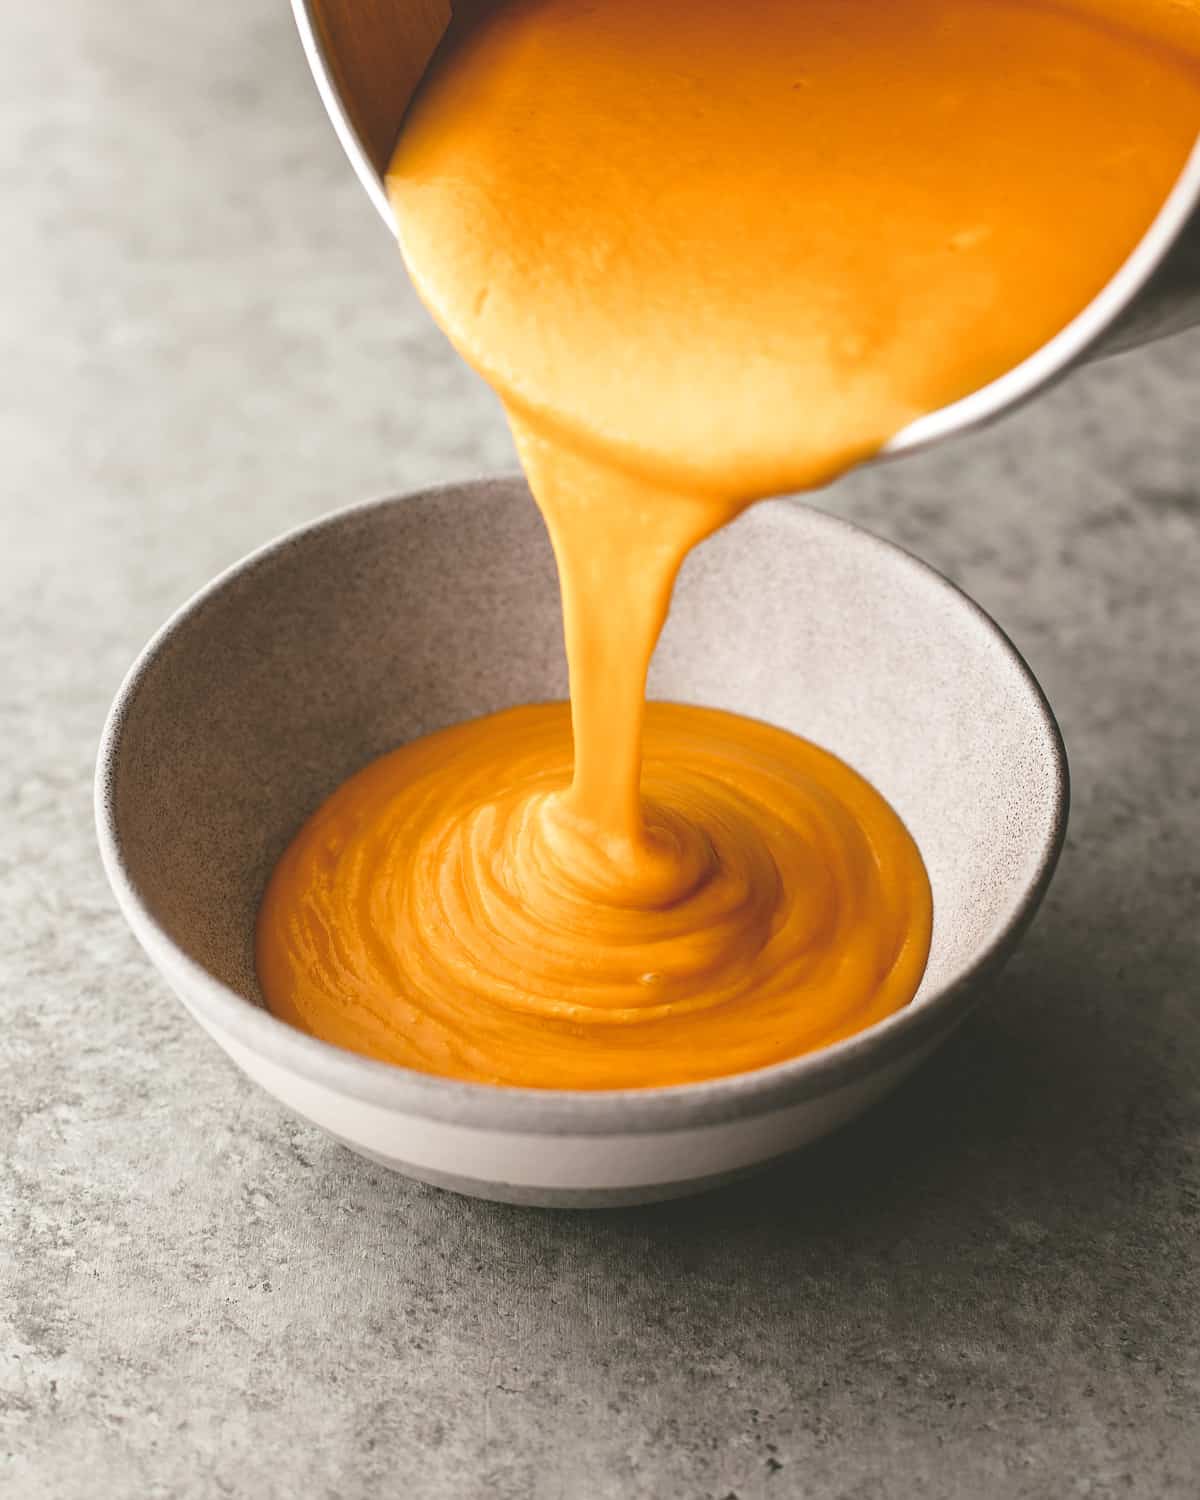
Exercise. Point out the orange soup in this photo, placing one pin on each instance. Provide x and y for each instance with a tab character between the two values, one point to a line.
704	253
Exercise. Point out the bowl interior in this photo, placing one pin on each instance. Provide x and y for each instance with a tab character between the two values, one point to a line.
395	619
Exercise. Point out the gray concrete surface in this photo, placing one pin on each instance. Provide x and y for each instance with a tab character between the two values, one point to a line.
989	1288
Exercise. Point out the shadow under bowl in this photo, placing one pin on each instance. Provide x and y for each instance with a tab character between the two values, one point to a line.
390	620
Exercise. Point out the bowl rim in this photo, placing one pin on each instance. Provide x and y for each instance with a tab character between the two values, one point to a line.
540	1112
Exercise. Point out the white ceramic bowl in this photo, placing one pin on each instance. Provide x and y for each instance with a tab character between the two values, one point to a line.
383	622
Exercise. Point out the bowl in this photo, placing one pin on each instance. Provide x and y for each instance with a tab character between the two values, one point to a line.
392	619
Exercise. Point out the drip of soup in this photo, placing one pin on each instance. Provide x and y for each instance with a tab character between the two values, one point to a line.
704	253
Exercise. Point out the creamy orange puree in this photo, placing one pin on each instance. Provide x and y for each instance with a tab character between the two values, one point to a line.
705	252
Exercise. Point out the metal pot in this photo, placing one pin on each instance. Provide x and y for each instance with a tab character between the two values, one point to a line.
367	57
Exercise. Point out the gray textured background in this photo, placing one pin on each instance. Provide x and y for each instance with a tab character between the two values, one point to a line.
988	1288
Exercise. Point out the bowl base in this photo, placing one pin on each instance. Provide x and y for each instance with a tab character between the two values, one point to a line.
548	1197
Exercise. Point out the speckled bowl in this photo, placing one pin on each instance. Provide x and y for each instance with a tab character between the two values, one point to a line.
384	622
